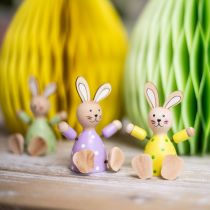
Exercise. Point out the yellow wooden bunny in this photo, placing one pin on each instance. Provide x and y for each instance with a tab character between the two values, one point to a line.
159	158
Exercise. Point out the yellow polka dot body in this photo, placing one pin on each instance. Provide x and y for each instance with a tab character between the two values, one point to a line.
158	147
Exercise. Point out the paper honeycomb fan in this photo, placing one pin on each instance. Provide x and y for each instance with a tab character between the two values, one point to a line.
170	47
56	41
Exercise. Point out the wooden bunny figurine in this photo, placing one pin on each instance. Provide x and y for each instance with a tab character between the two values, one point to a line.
40	138
159	158
88	153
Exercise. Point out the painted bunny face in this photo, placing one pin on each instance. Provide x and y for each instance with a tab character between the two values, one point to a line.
89	112
40	104
160	118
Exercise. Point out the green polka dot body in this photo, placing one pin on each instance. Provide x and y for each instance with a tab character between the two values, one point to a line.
41	128
158	147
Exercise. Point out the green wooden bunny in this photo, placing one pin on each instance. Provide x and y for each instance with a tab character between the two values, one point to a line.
40	138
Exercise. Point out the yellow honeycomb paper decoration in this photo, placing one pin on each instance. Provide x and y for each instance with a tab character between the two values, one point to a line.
56	41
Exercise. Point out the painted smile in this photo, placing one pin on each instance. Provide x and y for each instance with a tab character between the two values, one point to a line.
158	125
94	121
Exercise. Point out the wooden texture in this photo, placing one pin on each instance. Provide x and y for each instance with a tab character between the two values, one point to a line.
46	182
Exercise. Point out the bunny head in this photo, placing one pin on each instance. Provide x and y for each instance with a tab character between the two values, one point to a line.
89	112
160	118
40	104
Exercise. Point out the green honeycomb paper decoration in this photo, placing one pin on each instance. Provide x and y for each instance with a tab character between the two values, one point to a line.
170	46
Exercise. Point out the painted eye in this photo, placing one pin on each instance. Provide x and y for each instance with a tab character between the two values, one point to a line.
90	110
153	115
99	110
163	115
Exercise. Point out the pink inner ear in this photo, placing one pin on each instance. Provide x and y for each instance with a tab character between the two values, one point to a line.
83	92
173	101
33	86
83	89
151	97
102	94
50	90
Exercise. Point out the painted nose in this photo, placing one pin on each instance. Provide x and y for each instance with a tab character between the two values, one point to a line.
158	120
96	115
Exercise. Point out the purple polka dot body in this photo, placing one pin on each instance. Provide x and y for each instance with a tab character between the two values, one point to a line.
90	140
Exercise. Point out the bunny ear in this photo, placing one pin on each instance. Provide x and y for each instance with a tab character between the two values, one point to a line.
174	99
102	92
50	89
83	89
151	94
33	86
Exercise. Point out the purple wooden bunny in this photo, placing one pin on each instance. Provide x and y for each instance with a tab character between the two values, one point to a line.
88	153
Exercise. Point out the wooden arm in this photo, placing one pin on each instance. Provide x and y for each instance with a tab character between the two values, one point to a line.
67	131
183	135
112	128
136	131
24	117
58	118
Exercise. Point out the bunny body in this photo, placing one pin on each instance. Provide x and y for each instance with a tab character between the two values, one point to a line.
41	128
40	138
88	153
158	147
160	156
90	140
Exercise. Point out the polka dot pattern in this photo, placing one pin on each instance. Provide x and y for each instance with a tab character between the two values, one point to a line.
158	147
96	152
90	140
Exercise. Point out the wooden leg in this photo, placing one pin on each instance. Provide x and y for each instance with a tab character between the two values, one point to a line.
142	164
37	147
115	159
172	167
16	143
84	161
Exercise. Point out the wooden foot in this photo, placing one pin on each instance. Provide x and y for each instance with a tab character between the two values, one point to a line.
37	147
84	161
142	164
115	159
172	167
16	143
